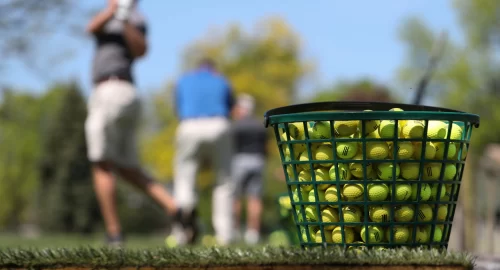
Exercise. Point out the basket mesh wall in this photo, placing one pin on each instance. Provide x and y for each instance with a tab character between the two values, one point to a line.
373	183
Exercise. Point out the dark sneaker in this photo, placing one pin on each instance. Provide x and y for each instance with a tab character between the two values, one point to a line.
117	241
191	227
188	222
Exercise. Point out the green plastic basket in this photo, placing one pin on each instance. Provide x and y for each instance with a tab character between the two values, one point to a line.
372	174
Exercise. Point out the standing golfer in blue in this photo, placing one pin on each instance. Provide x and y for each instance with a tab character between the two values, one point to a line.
203	101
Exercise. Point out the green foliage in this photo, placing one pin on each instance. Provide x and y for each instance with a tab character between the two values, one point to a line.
479	20
24	118
27	28
422	39
466	79
67	201
203	257
358	90
19	153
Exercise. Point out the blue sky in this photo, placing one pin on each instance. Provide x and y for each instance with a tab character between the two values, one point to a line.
347	39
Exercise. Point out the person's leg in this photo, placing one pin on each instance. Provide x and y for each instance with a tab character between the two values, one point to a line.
239	173
145	183
183	227
254	207
237	219
127	156
104	185
188	142
254	212
223	193
100	137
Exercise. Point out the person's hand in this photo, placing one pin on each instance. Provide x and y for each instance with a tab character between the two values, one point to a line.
112	6
123	9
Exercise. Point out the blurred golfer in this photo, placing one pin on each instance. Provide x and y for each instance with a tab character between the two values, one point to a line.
113	111
203	102
250	137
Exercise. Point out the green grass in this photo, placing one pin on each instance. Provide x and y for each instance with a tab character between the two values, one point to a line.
202	256
71	240
94	241
74	250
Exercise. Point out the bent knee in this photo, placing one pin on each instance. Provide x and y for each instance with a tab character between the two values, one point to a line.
103	165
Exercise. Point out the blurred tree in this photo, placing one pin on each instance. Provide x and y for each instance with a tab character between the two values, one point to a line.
358	90
67	201
27	26
266	64
480	19
467	79
23	122
19	153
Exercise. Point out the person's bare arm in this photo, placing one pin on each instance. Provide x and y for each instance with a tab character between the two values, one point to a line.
97	22
136	40
279	175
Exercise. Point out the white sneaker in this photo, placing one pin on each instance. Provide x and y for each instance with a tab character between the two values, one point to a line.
252	237
179	235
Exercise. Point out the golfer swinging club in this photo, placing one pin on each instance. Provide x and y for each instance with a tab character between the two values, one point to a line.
114	109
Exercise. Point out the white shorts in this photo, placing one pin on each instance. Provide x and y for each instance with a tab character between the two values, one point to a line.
111	125
199	140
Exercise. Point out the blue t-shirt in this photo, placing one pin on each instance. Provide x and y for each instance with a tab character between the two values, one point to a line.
203	93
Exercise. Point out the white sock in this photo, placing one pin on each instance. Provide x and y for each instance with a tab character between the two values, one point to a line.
179	235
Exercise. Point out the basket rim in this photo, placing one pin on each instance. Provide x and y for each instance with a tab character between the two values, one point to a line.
354	110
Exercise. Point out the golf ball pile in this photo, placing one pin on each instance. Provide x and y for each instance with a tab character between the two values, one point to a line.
373	181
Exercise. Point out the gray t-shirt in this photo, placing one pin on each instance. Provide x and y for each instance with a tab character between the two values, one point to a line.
250	136
112	57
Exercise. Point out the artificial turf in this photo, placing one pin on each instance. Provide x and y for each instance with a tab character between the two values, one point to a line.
37	258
